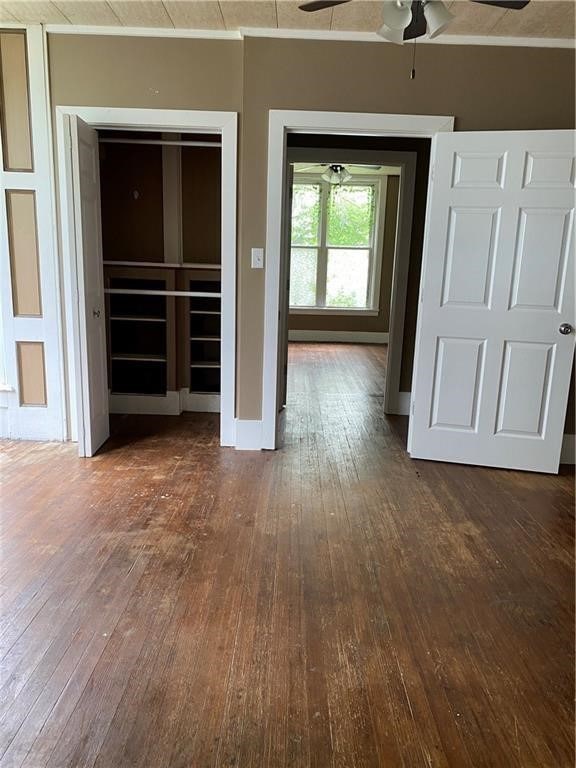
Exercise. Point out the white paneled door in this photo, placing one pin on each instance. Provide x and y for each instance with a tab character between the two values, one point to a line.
94	426
495	338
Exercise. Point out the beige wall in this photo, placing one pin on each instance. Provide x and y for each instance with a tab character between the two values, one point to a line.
145	72
484	87
201	194
131	192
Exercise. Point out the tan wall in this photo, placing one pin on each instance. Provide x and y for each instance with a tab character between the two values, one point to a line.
373	323
201	195
131	192
484	87
145	72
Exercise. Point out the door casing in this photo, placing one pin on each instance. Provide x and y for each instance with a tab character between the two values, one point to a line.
166	120
281	123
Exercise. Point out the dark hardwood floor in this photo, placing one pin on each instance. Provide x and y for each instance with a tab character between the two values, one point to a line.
171	603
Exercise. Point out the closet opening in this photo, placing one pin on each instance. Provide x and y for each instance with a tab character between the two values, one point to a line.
160	201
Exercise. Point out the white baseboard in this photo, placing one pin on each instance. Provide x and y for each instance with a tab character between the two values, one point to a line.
199	401
401	406
4	423
568	452
248	435
172	404
352	337
168	405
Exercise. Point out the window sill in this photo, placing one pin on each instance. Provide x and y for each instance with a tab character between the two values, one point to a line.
331	311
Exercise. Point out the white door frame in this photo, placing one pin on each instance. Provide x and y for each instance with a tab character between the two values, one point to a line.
175	120
282	122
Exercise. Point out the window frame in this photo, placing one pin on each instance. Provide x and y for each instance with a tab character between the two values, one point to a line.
322	248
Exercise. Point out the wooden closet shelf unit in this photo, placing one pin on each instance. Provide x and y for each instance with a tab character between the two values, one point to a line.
164	333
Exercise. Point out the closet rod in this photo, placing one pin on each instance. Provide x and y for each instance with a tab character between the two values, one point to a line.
142	292
161	264
163	142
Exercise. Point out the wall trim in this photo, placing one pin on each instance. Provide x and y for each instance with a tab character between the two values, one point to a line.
173	403
372	37
200	402
299	34
568	452
167	405
352	337
249	435
118	31
27	422
400	406
280	123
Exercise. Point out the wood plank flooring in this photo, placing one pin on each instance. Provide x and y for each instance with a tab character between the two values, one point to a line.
332	604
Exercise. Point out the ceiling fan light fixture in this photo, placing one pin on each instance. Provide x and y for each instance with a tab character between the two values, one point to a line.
437	16
397	16
336	174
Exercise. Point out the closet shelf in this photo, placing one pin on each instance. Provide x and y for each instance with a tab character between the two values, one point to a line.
205	312
204	338
139	318
204	365
161	265
129	357
145	292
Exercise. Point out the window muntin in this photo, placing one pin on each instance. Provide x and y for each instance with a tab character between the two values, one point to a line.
333	244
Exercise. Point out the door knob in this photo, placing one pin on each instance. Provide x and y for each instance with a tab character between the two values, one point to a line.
565	329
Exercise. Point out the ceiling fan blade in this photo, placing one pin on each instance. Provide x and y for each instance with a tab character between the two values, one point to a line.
514	5
417	26
320	5
311	167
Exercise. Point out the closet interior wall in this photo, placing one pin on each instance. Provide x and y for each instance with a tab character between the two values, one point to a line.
161	225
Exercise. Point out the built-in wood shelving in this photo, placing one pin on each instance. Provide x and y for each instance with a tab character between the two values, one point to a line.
205	337
137	333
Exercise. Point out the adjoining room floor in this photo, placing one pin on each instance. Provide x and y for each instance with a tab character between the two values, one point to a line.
171	603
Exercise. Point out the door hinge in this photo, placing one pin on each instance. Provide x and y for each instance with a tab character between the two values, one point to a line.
412	404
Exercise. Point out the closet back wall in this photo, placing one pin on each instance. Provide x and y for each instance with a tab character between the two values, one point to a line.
131	192
201	205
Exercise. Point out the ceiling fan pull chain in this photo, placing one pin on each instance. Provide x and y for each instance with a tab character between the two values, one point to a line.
413	72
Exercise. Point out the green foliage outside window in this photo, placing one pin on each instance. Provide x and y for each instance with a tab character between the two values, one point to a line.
350	212
350	215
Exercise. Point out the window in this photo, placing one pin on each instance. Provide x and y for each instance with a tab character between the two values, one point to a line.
333	245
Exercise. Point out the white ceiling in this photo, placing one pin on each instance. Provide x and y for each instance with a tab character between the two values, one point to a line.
541	18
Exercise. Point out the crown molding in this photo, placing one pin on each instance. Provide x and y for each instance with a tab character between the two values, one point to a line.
301	34
372	37
202	34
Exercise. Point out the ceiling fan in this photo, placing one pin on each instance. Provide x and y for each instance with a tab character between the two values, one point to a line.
409	19
337	173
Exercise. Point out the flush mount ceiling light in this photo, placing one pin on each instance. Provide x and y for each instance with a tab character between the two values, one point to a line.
409	19
336	174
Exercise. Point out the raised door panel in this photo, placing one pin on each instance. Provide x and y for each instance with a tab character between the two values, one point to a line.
524	397
478	170
539	276
457	386
471	244
549	170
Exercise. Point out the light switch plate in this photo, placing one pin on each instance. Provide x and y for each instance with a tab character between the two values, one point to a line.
257	258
